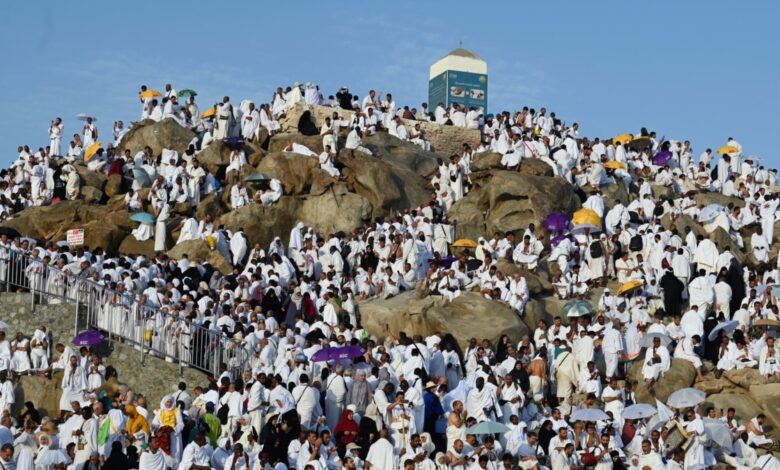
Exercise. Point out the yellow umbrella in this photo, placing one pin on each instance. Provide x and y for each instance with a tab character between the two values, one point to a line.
465	243
586	216
208	113
629	286
728	150
614	165
91	151
149	94
623	138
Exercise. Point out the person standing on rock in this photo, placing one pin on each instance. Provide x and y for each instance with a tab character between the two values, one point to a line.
162	213
224	118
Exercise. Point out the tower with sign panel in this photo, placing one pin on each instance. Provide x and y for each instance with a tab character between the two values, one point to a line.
459	77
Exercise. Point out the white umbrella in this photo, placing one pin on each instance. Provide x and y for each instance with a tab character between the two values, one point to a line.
718	432
709	212
686	398
647	340
728	327
84	116
639	411
581	228
3	325
589	414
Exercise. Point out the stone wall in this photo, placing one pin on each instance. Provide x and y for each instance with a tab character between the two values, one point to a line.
145	374
445	140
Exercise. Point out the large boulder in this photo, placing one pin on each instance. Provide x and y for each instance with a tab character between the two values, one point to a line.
279	142
91	195
724	241
468	316
45	394
114	185
681	374
131	246
492	161
745	408
104	227
157	135
767	396
90	178
713	197
212	205
683	222
198	250
216	156
538	282
444	140
502	200
296	172
330	212
745	378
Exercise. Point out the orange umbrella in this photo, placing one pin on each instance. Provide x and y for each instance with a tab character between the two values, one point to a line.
149	94
614	165
586	216
629	286
623	138
208	113
92	150
465	243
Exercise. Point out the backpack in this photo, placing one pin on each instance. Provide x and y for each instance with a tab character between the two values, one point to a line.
595	250
636	243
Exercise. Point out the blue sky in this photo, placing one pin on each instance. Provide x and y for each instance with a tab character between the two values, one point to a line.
699	70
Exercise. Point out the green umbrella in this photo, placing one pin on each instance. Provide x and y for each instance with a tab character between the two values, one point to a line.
487	427
186	92
577	308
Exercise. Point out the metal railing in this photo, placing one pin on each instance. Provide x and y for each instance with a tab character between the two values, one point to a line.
159	331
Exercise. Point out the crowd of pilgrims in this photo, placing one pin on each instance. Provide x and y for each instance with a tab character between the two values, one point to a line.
407	401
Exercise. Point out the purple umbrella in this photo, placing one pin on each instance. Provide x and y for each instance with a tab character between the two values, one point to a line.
234	141
447	261
556	222
558	239
337	354
662	158
88	338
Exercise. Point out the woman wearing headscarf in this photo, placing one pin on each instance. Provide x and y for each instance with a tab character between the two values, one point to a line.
360	393
137	427
346	431
169	416
270	438
546	434
368	431
117	460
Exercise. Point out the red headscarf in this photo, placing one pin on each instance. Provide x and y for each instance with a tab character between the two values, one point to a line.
346	423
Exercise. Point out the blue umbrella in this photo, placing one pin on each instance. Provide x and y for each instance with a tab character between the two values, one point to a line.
557	222
88	338
337	354
487	427
143	218
728	327
639	411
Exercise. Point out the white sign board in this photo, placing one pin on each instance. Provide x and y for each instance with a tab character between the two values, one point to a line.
75	237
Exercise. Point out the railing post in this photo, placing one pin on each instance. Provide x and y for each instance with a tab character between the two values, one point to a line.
76	323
